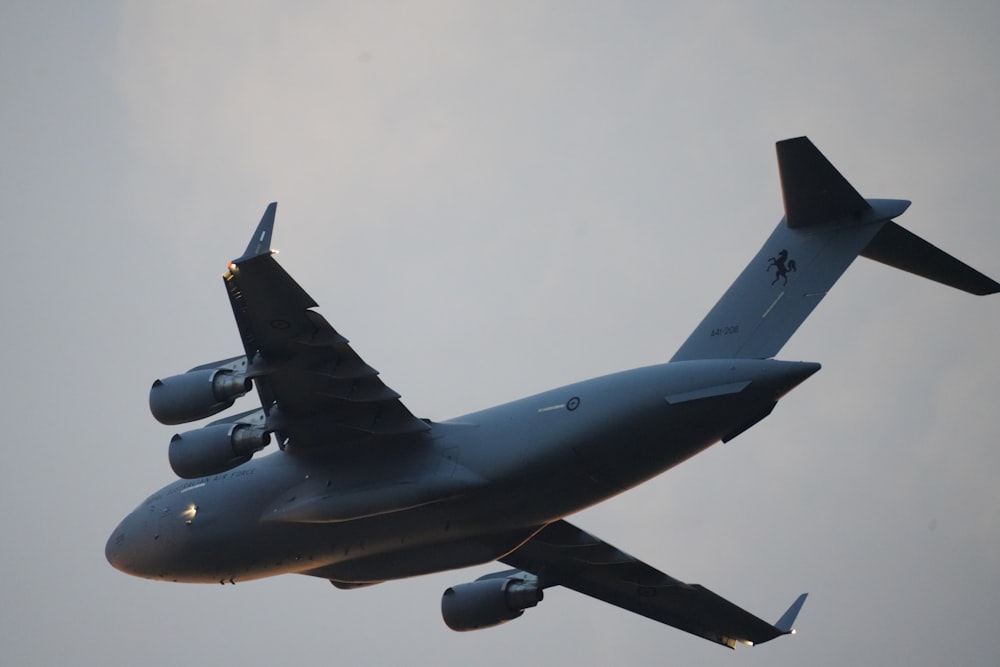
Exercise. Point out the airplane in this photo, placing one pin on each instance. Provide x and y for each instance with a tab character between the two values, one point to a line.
360	491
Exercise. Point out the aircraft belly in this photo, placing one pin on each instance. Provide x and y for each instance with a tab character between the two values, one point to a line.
447	552
308	516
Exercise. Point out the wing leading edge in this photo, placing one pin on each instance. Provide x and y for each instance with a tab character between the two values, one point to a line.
563	555
314	389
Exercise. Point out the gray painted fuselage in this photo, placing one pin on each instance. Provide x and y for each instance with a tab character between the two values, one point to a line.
362	490
466	492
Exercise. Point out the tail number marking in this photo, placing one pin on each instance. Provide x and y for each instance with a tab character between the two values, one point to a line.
726	331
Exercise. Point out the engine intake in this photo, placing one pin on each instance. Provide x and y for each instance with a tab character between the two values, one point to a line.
215	448
489	601
199	393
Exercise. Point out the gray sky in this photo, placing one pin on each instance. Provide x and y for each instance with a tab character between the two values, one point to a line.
492	199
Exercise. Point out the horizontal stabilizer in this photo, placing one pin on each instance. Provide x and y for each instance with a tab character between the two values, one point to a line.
815	193
906	251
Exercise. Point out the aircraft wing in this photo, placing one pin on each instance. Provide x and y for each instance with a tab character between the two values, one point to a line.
314	389
563	555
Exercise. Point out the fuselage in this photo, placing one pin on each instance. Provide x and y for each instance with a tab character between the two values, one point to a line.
465	492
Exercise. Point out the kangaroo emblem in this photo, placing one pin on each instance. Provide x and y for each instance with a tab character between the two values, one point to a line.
782	266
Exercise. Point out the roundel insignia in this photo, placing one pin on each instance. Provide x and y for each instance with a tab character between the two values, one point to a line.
573	403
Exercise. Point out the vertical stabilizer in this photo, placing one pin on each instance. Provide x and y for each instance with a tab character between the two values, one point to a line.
826	225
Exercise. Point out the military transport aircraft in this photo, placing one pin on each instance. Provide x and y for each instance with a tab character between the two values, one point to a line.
360	491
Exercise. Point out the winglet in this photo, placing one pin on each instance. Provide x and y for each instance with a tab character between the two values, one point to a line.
787	619
260	242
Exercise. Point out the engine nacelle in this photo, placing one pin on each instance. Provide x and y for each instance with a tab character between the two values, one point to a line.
489	601
199	393
215	448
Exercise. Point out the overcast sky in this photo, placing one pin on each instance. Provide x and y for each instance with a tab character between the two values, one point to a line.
489	200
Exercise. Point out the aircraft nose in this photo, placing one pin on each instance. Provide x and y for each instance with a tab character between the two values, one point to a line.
124	549
114	550
150	542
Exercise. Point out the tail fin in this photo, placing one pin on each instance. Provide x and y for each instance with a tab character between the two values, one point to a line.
826	225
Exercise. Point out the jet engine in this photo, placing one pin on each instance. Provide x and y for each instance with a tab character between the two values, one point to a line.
199	393
489	601
215	448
